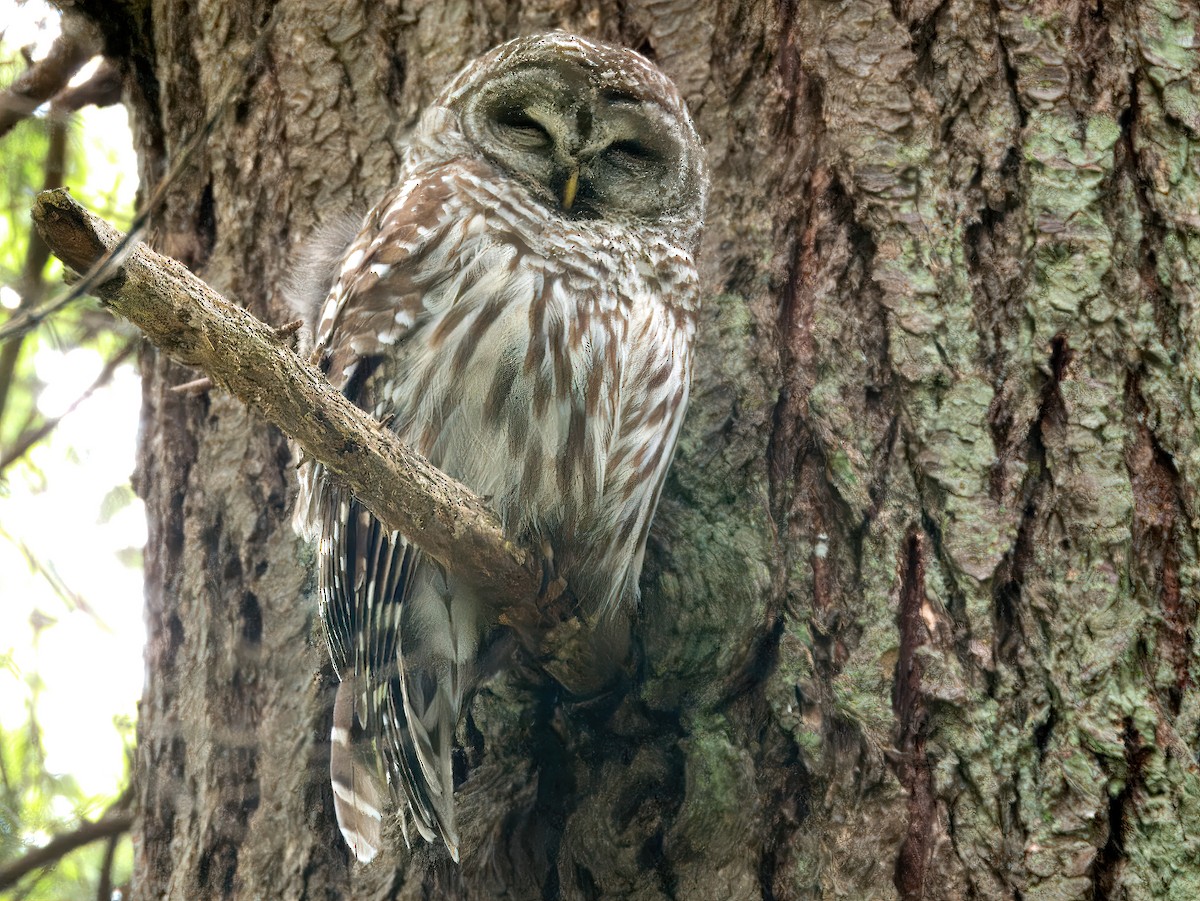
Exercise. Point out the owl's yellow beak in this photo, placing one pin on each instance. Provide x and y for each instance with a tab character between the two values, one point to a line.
569	189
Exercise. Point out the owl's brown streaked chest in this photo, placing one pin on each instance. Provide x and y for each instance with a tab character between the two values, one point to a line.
510	379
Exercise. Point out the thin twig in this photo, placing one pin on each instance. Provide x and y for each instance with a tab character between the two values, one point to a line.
289	330
102	89
62	845
195	387
71	598
104	884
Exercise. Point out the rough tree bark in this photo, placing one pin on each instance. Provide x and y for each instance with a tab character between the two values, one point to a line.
919	607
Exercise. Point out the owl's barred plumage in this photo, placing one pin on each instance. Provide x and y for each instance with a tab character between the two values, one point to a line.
519	310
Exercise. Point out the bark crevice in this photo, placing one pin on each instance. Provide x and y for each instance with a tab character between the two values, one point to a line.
912	766
1158	521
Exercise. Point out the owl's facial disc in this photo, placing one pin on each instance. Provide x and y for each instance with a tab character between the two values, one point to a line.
582	148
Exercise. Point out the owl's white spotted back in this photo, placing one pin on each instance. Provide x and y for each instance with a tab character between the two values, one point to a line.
520	309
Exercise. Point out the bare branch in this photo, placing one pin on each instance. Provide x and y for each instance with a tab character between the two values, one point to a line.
78	43
290	331
102	89
192	323
62	845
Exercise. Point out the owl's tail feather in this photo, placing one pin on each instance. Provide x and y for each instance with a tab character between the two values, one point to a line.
426	740
354	775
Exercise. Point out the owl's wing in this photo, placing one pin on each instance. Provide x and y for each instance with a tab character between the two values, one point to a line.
378	296
367	575
375	303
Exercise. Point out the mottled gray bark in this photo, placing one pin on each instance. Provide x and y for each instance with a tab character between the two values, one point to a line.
919	606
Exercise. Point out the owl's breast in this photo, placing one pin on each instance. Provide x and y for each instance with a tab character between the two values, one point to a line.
509	380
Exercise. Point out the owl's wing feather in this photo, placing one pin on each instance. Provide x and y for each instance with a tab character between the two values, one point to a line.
355	778
653	402
365	584
378	297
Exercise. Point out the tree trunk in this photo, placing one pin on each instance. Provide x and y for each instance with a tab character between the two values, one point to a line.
919	602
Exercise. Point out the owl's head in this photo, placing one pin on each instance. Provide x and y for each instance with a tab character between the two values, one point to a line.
590	130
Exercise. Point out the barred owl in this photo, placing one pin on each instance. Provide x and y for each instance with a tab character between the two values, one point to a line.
520	310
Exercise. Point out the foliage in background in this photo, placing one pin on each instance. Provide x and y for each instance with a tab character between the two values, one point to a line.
36	804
